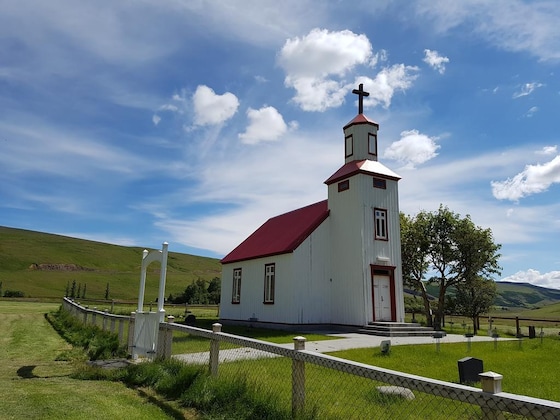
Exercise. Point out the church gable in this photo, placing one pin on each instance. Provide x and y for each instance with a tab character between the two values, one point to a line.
281	234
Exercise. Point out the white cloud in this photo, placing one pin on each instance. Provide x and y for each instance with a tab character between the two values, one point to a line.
386	82
512	25
549	280
548	150
534	179
412	149
265	124
314	62
527	89
532	111
213	109
156	119
435	61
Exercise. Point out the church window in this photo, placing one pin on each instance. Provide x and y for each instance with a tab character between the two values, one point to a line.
372	144
348	146
380	218
236	289
379	183
344	185
269	277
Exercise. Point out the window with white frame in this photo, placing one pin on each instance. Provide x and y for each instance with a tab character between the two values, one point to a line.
348	146
236	289
269	278
380	219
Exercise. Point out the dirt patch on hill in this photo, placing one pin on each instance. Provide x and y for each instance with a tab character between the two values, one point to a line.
59	267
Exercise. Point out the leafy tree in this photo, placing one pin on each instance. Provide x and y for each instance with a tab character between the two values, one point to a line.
414	249
1	288
107	292
84	291
73	289
474	298
198	293
79	290
214	290
453	249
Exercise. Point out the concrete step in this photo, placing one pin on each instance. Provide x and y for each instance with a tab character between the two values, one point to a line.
396	329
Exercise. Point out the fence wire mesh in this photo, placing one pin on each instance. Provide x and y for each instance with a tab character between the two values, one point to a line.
316	386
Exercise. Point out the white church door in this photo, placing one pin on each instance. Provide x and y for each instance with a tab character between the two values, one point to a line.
382	296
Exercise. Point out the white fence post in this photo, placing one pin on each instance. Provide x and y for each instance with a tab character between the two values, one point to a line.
215	350
131	332
298	380
492	383
165	340
121	331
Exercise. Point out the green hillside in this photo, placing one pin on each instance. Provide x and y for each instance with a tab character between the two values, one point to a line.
517	296
41	265
525	295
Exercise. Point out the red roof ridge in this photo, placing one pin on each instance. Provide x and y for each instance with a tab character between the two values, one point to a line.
280	234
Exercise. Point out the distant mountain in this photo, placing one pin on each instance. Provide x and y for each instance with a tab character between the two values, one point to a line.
514	295
525	295
43	265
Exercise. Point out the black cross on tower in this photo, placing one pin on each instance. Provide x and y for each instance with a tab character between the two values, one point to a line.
361	93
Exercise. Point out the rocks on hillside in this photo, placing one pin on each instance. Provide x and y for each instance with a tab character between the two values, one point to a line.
59	267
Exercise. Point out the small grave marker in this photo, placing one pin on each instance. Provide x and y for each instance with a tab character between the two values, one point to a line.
469	369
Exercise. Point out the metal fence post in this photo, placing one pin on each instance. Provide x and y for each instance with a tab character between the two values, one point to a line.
298	379
215	350
492	383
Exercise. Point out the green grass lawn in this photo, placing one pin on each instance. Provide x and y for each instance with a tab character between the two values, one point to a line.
528	369
34	385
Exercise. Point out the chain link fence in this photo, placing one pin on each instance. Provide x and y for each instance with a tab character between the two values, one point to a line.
315	385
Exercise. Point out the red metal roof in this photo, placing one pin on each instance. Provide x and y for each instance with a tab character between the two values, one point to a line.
280	234
360	119
368	167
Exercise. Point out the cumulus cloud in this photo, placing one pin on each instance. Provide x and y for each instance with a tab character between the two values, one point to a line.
435	61
156	119
533	180
550	280
412	149
213	109
386	82
265	124
548	150
313	63
527	89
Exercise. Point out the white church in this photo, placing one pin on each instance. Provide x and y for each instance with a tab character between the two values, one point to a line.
332	263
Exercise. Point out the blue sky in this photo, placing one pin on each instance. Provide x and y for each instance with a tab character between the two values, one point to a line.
193	122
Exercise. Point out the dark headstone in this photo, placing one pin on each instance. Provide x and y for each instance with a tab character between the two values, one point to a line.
190	320
532	333
469	368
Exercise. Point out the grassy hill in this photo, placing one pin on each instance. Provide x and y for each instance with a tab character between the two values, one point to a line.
41	265
518	296
525	295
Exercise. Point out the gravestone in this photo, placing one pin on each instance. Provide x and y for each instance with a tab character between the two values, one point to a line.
385	346
532	332
469	368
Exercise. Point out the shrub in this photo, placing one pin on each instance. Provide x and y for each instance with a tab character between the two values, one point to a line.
97	343
14	294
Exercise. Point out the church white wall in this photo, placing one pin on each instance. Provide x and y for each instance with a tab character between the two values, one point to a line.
347	260
355	247
302	292
311	300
